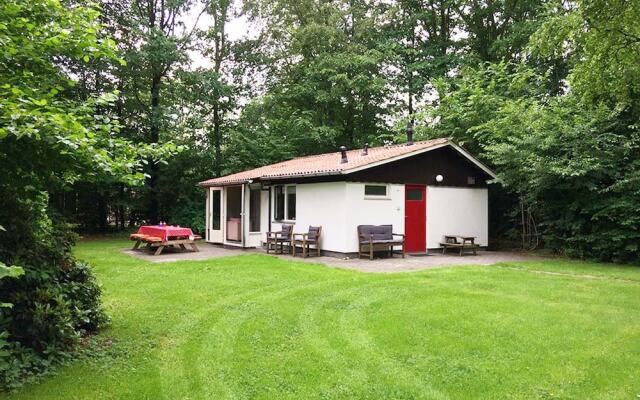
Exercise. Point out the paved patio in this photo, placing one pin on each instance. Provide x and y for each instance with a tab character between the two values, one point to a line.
395	264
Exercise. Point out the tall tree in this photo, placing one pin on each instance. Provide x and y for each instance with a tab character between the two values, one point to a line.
421	38
218	51
154	38
325	72
499	30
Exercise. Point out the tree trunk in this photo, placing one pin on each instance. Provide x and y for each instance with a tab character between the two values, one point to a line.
217	137
219	55
154	204
121	207
410	100
350	125
102	211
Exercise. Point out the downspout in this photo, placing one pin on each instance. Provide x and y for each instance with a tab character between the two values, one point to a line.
269	212
207	214
242	214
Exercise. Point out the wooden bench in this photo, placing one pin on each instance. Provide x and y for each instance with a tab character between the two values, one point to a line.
159	244
139	239
373	238
466	242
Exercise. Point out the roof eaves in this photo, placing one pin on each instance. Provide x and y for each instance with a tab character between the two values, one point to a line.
226	182
302	174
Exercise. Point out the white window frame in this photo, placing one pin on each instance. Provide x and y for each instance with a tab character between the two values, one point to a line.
286	203
376	196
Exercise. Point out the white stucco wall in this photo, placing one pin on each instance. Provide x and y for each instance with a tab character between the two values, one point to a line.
372	211
458	211
339	207
321	204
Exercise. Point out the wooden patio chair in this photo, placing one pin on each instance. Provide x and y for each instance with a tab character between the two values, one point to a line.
282	237
307	241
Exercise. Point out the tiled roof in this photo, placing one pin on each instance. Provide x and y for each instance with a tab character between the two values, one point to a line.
325	164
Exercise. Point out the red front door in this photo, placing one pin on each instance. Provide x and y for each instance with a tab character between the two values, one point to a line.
415	218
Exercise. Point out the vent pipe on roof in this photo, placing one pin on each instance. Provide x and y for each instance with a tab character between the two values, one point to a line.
365	149
410	132
343	153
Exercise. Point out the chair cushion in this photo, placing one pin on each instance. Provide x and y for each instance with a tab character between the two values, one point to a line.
286	231
314	231
300	240
382	242
377	232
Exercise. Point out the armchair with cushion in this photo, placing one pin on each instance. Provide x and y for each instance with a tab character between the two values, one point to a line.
307	241
282	237
378	238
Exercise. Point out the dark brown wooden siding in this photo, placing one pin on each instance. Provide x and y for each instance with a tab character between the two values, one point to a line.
420	169
423	169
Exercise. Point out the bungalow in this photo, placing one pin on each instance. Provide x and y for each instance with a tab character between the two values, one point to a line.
425	189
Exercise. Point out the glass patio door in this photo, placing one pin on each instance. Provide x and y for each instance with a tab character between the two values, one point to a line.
215	215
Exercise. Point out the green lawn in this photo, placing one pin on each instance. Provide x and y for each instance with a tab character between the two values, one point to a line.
257	327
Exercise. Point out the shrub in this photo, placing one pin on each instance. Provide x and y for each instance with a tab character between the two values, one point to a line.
190	214
53	304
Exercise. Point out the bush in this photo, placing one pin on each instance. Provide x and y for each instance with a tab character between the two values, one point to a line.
190	214
53	308
53	305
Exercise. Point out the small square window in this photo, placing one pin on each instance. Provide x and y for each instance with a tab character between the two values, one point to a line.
471	180
375	190
414	194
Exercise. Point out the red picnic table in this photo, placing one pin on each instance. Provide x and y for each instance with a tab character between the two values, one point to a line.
162	236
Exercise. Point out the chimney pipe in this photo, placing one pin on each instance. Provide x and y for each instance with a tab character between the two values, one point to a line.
343	151
365	150
410	132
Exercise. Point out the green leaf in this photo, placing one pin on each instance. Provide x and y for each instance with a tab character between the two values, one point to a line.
10	272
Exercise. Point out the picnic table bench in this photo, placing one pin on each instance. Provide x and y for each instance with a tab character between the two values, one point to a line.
466	242
161	236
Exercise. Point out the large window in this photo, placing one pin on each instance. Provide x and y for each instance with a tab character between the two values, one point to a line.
254	210
291	202
285	202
